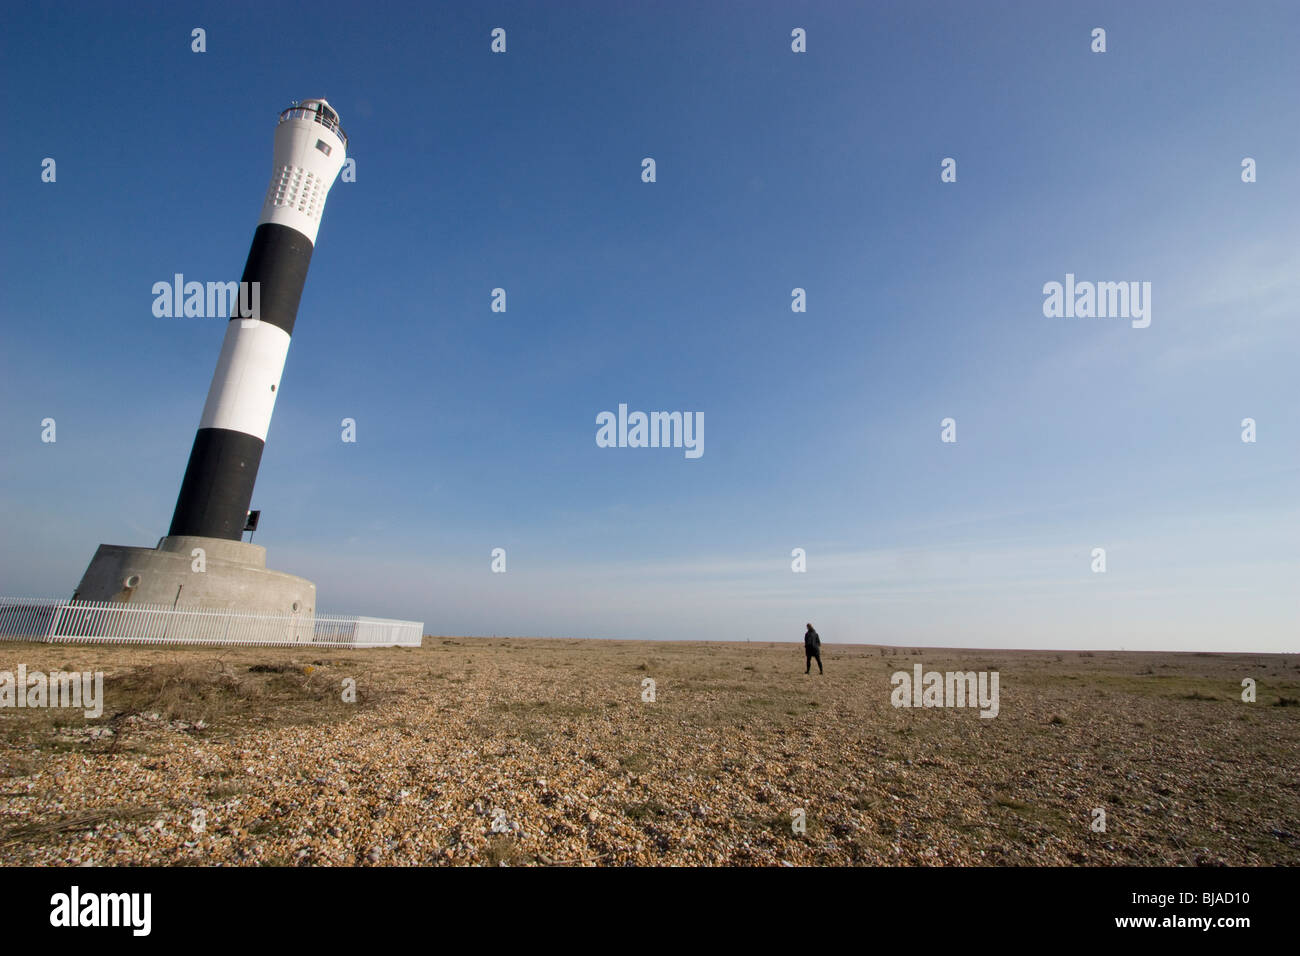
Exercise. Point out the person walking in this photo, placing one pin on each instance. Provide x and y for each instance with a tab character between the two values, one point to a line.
812	647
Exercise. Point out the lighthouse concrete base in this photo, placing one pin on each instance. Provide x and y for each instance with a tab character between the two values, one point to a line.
195	573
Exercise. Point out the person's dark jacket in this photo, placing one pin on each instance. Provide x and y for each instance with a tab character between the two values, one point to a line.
811	641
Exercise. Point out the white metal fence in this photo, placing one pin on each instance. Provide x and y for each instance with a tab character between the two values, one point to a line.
94	622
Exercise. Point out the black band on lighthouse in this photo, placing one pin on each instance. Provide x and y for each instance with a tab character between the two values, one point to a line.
278	261
218	484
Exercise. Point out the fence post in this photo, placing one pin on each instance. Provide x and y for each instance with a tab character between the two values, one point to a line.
54	623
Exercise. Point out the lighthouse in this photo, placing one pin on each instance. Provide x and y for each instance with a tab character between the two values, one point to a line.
310	148
203	561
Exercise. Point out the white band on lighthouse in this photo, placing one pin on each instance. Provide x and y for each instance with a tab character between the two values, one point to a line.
308	155
247	379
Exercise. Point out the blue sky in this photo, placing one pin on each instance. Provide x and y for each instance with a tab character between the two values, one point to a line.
775	170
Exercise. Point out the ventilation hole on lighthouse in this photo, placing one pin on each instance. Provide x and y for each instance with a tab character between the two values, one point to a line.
132	582
296	607
273	387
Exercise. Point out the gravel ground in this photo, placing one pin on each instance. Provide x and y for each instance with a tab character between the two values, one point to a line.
495	751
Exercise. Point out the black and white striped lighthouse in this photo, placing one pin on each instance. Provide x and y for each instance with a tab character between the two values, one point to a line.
310	149
203	562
